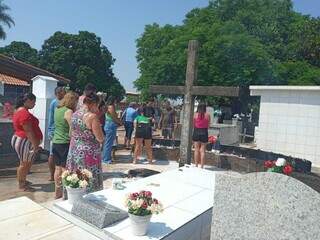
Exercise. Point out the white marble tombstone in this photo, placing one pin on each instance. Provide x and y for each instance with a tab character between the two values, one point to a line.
43	87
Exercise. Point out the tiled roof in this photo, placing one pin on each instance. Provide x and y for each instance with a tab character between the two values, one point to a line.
12	80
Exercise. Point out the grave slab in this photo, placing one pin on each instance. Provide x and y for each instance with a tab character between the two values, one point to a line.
176	189
264	206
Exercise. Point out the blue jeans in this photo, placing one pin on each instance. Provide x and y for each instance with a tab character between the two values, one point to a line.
110	129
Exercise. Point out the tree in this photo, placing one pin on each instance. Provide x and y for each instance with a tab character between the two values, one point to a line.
5	19
82	58
242	42
21	51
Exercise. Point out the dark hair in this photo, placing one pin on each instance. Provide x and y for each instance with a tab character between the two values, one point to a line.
91	98
201	110
101	104
111	100
23	98
89	88
58	90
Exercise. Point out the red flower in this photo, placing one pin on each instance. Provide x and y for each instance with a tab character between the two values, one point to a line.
132	196
148	194
269	164
287	169
144	205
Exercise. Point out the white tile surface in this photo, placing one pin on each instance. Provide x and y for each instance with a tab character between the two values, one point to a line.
186	194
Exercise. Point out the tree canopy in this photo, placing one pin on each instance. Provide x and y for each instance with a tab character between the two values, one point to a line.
5	19
242	43
79	57
21	51
83	58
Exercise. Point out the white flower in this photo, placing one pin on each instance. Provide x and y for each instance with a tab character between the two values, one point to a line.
87	173
83	184
280	162
65	174
69	178
74	178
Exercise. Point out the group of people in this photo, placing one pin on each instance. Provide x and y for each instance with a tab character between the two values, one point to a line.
82	131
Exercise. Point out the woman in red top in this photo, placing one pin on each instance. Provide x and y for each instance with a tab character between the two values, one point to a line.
201	122
27	137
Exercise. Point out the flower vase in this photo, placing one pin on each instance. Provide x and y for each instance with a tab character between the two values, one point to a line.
74	194
139	224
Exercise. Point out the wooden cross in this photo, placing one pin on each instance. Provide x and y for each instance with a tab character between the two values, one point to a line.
189	91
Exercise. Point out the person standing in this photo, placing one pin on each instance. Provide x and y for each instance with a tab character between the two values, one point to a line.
130	115
26	139
167	122
201	122
59	93
110	129
143	130
86	141
88	90
61	138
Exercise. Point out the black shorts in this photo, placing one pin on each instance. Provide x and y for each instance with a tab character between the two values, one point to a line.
60	154
129	129
200	135
144	131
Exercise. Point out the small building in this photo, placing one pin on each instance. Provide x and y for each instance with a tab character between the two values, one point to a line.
289	121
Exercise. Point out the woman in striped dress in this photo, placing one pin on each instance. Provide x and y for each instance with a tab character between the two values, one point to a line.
27	137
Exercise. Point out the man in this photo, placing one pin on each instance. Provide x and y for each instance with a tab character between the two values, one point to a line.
129	116
59	93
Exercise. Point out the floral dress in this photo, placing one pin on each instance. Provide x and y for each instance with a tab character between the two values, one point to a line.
84	151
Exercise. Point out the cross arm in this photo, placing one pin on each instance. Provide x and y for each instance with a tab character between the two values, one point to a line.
169	90
215	91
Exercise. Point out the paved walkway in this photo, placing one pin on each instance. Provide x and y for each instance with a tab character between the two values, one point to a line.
45	190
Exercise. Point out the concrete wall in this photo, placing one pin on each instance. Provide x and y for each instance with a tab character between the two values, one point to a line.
289	121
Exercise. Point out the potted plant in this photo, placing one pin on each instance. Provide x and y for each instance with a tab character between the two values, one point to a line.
76	183
279	166
141	206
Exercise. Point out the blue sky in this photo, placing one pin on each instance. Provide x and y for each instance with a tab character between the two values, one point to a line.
118	22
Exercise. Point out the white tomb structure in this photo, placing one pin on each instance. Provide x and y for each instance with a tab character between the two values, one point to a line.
289	121
187	197
43	87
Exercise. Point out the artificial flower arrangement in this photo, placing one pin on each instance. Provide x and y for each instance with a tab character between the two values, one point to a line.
142	204
279	166
79	179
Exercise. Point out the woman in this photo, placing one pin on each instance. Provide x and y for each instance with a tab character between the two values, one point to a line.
201	122
26	139
110	128
86	140
61	137
143	129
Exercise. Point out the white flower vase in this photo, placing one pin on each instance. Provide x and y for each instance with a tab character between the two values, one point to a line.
74	194
139	224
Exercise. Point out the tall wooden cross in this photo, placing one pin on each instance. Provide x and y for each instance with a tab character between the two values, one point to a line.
189	91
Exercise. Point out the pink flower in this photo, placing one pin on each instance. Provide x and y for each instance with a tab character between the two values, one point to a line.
148	194
144	205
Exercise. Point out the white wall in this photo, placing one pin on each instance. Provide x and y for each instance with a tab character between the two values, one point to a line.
289	121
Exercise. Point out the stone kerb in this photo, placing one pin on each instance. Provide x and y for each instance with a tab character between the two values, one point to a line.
264	206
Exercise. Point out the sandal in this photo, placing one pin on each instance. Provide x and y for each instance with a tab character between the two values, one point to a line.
27	189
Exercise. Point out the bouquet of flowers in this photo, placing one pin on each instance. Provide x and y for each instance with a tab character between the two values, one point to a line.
78	179
142	204
279	166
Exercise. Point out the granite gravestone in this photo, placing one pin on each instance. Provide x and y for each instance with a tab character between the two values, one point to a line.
97	212
264	206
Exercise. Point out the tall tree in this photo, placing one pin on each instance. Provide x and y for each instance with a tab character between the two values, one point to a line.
242	42
21	51
5	19
82	58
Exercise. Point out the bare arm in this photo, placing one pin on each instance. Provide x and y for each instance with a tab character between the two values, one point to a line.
67	117
113	115
27	127
96	128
